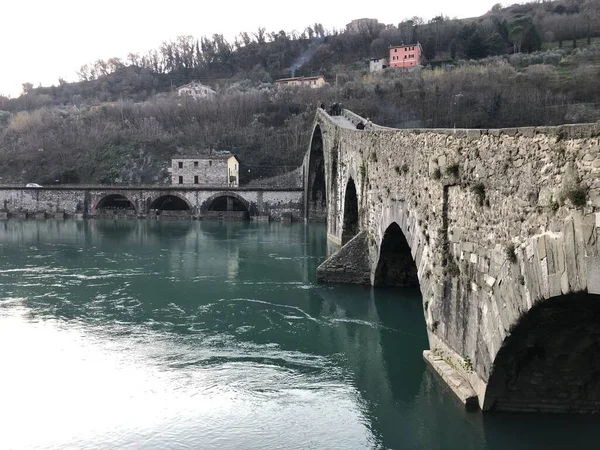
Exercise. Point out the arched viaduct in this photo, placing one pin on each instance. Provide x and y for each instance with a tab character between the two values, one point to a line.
149	201
498	228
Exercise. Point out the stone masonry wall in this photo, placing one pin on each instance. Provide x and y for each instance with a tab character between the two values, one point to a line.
497	220
210	172
272	203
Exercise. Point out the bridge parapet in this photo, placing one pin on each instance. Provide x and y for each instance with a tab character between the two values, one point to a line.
497	224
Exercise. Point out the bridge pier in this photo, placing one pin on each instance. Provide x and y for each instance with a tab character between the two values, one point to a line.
349	265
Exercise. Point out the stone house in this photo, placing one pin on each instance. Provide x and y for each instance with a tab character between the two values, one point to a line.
406	56
195	89
215	169
312	82
377	64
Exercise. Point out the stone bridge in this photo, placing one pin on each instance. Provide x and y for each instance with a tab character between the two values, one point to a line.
151	201
498	228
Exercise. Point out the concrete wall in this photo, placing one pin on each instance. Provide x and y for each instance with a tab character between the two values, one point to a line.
18	201
464	199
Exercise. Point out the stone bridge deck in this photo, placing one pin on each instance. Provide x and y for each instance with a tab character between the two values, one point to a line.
498	228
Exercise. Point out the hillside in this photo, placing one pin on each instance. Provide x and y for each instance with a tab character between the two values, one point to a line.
122	123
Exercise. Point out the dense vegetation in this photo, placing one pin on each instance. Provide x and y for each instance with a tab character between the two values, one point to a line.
121	123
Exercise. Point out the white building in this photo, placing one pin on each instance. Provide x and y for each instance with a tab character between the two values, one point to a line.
377	64
195	89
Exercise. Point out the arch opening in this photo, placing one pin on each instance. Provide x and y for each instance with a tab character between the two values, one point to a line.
350	227
227	203
228	207
169	203
115	203
550	362
317	189
395	266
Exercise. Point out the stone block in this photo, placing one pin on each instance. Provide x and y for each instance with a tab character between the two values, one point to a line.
509	131
528	132
455	381
593	274
541	243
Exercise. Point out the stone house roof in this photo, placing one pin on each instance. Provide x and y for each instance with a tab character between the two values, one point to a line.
214	156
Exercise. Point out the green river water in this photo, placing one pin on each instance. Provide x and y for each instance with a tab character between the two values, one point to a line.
197	335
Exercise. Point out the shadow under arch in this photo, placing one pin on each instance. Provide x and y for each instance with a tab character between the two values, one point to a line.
219	202
227	205
550	361
316	188
170	202
114	202
350	226
396	266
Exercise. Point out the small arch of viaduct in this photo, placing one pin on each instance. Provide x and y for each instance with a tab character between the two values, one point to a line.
500	228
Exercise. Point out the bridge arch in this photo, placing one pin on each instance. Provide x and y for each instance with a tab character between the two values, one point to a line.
114	201
395	265
316	186
550	360
170	202
227	204
350	221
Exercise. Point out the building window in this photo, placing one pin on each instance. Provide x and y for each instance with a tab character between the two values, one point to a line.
395	50
195	179
196	164
180	164
210	163
180	179
236	167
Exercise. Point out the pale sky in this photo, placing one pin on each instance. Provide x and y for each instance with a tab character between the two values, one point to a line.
42	40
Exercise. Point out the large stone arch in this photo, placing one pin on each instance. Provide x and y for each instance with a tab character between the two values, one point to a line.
395	265
316	181
404	235
550	361
539	344
114	200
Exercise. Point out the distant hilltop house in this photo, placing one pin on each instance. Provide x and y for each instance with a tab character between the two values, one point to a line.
195	89
406	56
312	82
377	64
215	169
359	25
